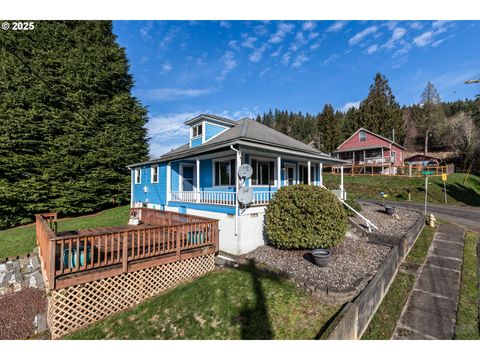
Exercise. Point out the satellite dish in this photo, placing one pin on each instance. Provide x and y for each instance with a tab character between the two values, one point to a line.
245	171
245	196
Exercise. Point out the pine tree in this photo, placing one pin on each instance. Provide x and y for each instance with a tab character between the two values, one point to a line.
68	122
350	123
329	127
380	112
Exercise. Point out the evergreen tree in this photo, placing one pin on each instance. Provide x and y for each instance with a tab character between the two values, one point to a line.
380	112
329	128
432	118
68	122
350	123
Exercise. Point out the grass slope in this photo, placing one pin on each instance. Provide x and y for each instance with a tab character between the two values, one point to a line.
467	327
225	304
21	240
368	187
385	319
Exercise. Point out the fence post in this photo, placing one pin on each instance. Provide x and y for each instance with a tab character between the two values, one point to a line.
125	251
409	170
51	265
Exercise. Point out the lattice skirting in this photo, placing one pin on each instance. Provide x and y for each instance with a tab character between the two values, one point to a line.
76	306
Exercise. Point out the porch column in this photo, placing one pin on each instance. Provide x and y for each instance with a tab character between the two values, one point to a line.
198	180
383	158
321	174
309	170
341	182
279	172
169	187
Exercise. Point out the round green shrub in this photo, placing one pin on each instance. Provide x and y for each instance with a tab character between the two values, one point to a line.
305	217
355	205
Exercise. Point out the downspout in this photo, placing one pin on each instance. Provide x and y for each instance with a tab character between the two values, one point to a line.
237	162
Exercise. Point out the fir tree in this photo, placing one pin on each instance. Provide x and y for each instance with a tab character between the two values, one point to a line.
68	122
432	118
329	127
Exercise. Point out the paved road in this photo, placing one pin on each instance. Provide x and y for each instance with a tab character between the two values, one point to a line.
466	216
430	312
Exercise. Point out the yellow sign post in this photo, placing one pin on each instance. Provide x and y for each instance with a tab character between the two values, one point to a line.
444	179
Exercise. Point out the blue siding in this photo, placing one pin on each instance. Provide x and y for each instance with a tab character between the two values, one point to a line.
211	130
156	192
196	142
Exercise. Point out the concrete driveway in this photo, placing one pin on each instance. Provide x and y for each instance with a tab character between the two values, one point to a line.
466	216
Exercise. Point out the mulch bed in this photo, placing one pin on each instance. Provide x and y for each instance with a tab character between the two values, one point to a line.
18	311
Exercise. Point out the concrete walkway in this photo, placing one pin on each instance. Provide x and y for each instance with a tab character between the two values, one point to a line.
431	310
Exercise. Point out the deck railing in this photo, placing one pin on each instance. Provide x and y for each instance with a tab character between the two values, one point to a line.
71	259
395	170
205	197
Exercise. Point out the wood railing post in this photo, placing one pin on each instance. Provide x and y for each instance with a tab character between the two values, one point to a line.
125	251
51	263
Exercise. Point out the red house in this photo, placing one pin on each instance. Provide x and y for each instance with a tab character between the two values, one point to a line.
370	150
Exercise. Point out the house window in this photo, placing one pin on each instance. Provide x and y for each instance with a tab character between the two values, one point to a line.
303	174
138	176
263	172
375	153
362	136
197	130
225	173
313	169
154	172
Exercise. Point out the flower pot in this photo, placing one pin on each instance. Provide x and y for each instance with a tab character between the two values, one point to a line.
321	257
390	210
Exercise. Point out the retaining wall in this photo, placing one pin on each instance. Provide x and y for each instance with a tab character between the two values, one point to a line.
353	320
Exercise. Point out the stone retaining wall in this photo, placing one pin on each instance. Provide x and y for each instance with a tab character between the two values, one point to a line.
353	320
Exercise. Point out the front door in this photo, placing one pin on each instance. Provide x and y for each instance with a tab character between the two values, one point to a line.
290	174
187	178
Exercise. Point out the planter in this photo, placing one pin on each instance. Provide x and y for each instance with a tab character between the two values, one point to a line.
390	210
321	257
81	256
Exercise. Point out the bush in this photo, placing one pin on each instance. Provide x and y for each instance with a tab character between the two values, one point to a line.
305	217
355	205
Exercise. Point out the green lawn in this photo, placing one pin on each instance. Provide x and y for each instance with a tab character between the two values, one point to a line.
467	327
225	304
21	240
368	187
383	322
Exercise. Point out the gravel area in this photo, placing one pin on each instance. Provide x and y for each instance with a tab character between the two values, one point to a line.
353	261
18	311
396	225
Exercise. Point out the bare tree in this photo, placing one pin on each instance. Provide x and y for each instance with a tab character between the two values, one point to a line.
432	117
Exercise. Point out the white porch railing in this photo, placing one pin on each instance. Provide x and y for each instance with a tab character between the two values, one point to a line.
205	197
262	197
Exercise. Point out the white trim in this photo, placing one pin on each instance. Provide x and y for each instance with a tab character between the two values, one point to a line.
320	171
197	166
151	173
226	158
132	175
266	158
279	171
139	175
169	181
294	167
214	136
309	173
180	175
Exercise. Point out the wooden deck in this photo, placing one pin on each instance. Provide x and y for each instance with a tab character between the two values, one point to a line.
75	257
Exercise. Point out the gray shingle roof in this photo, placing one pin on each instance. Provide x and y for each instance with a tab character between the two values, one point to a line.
250	131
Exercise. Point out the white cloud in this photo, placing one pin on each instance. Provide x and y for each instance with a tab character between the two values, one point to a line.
170	94
308	25
440	24
233	44
282	30
257	55
372	49
330	59
229	64
248	41
146	29
350	104
300	60
337	26
416	25
397	34
314	46
362	34
276	52
225	24
424	39
166	67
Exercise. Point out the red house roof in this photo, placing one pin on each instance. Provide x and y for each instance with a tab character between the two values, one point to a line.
369	146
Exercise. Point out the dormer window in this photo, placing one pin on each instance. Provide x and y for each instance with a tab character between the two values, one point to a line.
362	136
197	130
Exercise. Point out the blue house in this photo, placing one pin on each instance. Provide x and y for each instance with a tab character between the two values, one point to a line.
200	177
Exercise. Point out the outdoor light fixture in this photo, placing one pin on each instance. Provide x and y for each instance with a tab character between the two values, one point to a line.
145	189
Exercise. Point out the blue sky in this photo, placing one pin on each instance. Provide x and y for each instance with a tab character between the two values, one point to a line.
244	68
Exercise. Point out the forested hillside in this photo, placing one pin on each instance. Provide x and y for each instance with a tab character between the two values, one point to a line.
431	124
68	122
